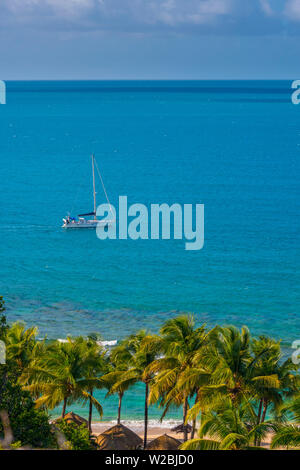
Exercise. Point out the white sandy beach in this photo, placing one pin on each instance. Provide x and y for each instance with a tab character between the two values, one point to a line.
153	431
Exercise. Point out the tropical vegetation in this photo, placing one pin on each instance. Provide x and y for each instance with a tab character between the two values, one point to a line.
233	389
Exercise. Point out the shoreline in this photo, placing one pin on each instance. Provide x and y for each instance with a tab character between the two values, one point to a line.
153	431
155	427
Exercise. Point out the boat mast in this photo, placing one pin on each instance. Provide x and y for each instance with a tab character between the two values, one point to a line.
94	188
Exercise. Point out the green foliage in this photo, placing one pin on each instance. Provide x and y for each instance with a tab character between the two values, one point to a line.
179	372
32	428
138	351
29	425
21	344
228	428
77	436
240	387
65	372
287	435
16	445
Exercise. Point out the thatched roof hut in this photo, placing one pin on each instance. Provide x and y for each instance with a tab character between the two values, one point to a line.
164	442
74	418
118	438
181	428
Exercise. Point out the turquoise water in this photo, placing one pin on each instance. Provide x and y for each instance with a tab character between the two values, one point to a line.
233	146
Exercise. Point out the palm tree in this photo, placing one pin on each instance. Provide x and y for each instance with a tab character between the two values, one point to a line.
61	374
94	366
228	428
230	362
20	344
287	434
245	372
272	378
119	362
141	351
178	375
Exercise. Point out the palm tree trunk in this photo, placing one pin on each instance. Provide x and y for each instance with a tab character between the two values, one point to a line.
146	415
193	429
119	407
263	416
185	410
64	408
90	413
259	410
195	419
256	441
265	411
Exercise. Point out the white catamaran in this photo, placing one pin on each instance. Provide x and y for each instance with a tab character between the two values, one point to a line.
81	222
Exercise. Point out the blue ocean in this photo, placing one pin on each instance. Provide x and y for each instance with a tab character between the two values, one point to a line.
232	146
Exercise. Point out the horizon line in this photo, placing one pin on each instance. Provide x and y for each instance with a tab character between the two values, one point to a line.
144	79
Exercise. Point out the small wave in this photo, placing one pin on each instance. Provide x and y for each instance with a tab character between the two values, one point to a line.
100	343
107	343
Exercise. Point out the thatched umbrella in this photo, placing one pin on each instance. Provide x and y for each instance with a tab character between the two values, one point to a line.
74	418
164	442
181	428
118	438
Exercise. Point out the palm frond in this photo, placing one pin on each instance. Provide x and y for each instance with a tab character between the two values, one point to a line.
200	444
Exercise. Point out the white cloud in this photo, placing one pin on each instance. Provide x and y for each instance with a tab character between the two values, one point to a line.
191	11
146	11
292	10
266	7
176	12
141	16
70	7
20	7
195	12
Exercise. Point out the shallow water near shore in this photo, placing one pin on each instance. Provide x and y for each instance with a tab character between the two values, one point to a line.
233	146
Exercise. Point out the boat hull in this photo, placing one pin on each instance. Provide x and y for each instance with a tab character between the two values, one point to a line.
87	224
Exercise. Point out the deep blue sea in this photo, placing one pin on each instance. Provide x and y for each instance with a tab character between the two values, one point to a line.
232	146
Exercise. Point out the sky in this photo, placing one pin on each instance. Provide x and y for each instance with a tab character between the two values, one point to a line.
149	39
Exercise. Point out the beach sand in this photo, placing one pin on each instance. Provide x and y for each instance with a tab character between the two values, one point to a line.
155	431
